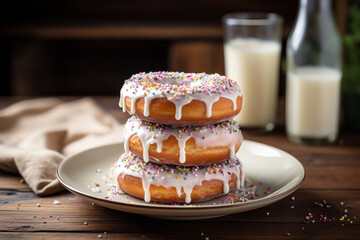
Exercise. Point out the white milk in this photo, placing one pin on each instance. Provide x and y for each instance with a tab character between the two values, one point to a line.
254	64
312	102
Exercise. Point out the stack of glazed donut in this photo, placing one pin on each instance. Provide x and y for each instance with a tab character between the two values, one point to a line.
181	141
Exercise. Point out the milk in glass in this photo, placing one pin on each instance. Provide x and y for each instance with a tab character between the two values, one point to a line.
254	64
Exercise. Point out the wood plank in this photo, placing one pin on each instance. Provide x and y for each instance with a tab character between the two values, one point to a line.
12	181
21	213
224	231
115	32
157	32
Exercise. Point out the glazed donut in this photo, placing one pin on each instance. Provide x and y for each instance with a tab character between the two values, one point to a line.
181	99
187	146
171	183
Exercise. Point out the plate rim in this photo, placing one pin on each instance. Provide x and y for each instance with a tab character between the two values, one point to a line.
190	207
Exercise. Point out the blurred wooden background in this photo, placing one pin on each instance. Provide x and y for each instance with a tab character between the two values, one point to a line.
90	47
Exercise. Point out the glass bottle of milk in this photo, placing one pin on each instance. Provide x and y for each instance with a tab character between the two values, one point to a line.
313	75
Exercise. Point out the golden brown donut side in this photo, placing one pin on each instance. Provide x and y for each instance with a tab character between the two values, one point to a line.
208	190
170	153
194	113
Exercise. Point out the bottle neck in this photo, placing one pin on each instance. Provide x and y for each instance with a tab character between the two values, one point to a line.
315	6
316	14
314	40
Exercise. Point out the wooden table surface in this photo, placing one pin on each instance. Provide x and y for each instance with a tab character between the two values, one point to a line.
332	176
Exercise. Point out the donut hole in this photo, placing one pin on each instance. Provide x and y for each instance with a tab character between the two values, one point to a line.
173	81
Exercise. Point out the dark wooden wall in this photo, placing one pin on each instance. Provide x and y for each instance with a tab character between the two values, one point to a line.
90	47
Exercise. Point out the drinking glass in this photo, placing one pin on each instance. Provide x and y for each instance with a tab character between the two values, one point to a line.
252	47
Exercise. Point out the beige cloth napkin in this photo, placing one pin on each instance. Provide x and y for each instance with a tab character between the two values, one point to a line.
36	135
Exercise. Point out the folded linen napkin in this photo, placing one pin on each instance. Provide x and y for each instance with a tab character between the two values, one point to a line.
37	134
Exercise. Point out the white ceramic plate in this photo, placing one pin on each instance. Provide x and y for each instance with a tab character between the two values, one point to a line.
264	165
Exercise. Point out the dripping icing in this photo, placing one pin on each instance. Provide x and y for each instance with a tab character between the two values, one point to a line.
181	178
224	134
180	89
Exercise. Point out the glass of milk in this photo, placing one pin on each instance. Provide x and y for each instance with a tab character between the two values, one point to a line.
313	75
252	47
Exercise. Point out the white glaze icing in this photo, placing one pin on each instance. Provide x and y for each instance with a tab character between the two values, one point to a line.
179	88
182	178
224	134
